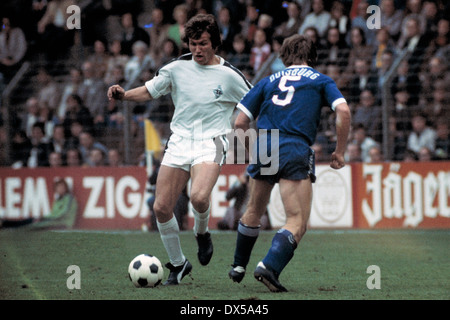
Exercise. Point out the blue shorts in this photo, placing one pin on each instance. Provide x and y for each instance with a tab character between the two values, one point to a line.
288	158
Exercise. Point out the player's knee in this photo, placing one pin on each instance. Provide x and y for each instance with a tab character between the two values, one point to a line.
161	210
200	201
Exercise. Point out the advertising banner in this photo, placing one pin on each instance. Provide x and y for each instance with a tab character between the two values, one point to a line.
385	195
401	195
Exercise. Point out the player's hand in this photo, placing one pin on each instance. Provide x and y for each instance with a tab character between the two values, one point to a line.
337	161
116	92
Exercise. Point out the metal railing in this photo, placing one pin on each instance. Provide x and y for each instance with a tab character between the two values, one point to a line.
7	109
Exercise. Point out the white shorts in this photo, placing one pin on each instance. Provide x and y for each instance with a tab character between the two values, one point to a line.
184	152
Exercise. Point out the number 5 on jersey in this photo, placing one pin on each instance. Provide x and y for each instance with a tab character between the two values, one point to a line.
284	88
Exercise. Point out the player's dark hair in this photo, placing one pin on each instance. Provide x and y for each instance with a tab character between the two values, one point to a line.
199	24
298	49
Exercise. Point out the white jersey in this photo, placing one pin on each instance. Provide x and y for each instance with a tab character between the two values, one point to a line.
204	96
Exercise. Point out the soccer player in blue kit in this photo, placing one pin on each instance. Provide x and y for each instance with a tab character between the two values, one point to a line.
288	101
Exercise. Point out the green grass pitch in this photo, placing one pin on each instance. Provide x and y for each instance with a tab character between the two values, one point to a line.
327	265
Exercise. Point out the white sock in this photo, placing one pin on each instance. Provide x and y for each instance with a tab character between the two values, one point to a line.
201	220
169	232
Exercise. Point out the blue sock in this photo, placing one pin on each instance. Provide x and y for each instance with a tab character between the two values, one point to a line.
281	251
246	238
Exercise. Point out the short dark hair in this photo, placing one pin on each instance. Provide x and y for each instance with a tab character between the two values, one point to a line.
298	49
199	24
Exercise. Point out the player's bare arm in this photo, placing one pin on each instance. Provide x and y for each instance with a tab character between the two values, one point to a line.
243	122
343	120
139	94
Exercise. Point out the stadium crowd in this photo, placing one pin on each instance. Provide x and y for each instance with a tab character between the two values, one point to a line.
66	119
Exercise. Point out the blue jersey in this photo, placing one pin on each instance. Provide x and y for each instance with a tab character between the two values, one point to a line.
291	101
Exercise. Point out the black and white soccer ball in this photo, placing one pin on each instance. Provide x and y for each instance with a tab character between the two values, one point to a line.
145	271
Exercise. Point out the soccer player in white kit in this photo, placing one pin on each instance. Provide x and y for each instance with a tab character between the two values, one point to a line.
205	90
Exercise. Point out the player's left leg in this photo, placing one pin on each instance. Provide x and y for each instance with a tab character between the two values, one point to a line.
204	176
296	196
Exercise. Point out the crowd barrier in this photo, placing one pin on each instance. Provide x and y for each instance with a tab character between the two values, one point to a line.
361	195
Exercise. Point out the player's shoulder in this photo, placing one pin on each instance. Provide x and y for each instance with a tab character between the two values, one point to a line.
235	73
175	62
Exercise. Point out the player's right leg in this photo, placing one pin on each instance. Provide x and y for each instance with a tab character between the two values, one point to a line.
169	184
248	229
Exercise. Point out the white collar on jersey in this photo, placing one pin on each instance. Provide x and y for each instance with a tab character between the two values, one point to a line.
299	66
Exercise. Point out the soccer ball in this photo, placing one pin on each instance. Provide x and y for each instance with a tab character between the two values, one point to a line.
145	271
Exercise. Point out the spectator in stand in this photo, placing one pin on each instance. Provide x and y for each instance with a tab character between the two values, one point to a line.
339	19
334	71
69	87
368	114
260	50
158	34
383	42
97	158
73	158
31	116
55	159
40	148
132	33
362	79
360	20
99	58
437	70
365	142
277	64
117	75
387	59
13	47
20	149
319	18
53	31
353	153
421	135
442	151
240	55
402	111
292	25
169	51
265	23
47	89
336	50
414	42
88	143
89	93
73	138
176	30
431	17
439	106
116	59
46	118
397	140
391	18
405	80
375	154
228	29
115	158
139	61
359	49
440	40
58	140
250	23
77	112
